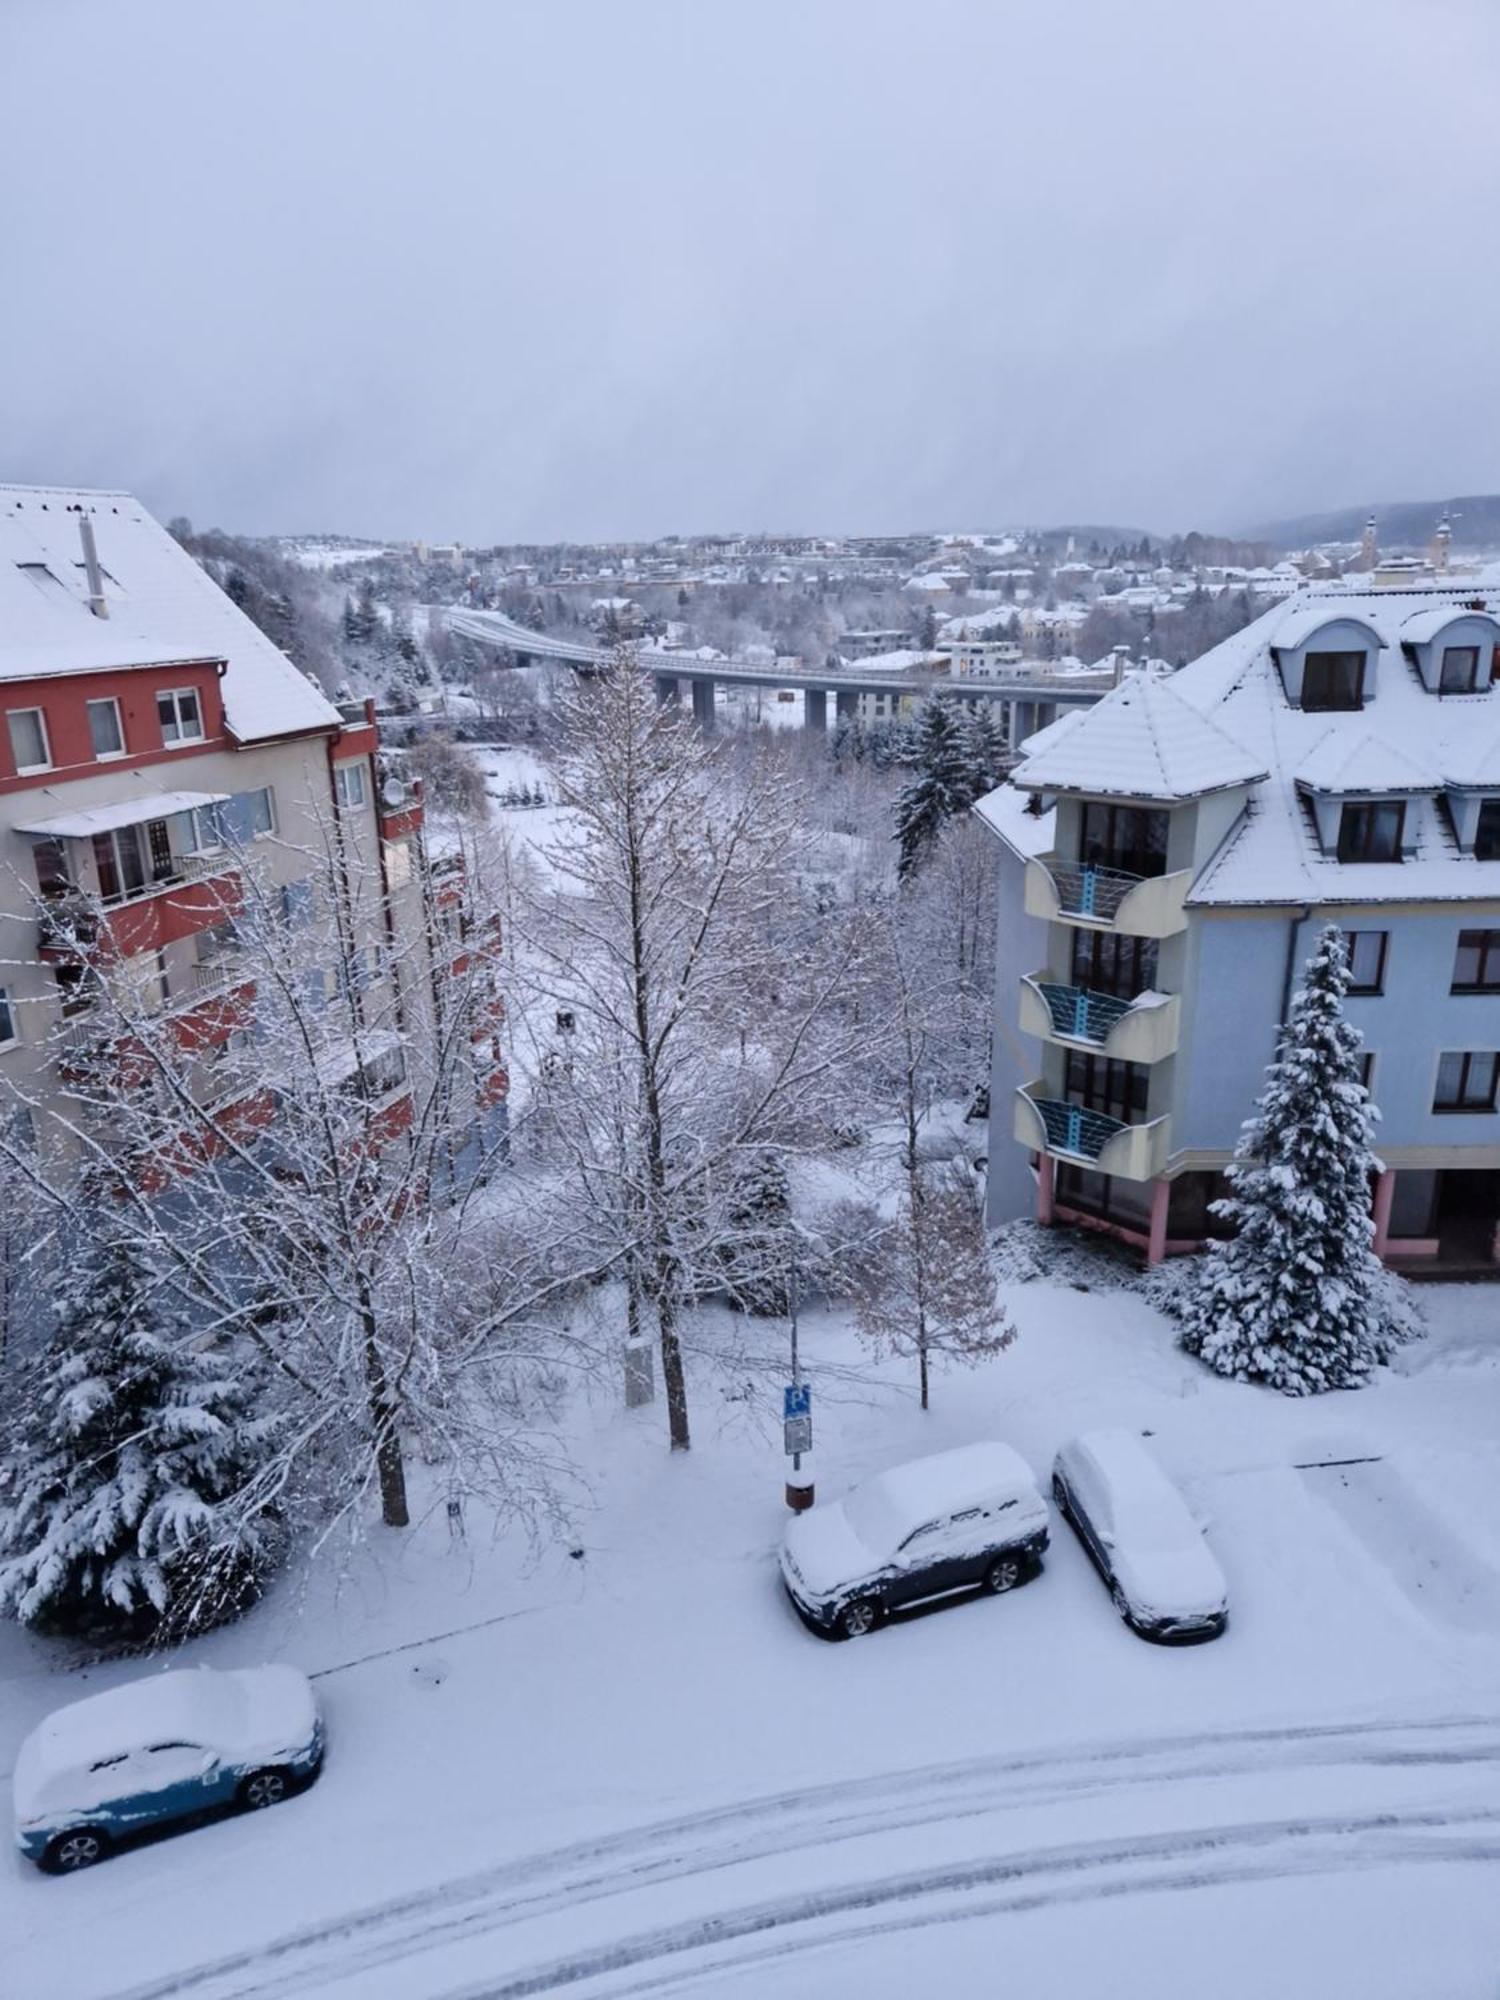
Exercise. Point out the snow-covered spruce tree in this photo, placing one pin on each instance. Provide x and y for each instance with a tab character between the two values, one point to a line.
131	1499
1297	1298
941	783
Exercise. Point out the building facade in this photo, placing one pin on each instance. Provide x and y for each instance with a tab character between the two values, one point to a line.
167	777
1168	859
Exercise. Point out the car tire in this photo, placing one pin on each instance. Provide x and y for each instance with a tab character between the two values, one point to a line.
858	1618
265	1788
80	1848
1004	1574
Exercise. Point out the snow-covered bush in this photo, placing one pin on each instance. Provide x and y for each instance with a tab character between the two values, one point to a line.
129	1501
1297	1298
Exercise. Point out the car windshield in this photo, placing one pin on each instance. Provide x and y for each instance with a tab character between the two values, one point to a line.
875	1518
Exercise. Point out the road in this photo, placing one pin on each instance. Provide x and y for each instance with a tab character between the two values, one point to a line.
761	1882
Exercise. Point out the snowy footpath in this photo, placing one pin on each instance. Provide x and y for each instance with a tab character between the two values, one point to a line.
630	1771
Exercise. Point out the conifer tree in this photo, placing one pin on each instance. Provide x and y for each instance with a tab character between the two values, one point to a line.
942	782
125	1502
1297	1298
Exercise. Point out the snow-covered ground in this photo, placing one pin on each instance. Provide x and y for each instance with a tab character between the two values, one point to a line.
630	1770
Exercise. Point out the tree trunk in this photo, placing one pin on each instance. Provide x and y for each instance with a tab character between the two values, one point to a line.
922	1365
673	1378
389	1463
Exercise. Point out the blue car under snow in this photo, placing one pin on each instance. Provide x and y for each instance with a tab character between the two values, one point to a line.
170	1747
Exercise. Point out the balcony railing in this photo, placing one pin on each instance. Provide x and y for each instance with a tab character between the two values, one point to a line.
1143	1029
1079	1014
1083	891
1133	1152
1107	898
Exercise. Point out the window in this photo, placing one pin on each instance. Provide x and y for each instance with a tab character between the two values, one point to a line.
1476	963
1466	1080
1131	838
1097	1083
1371	832
50	859
349	784
1367	1069
180	716
127	863
1124	966
1487	832
1333	680
28	739
1460	670
104	729
296	903
398	863
7	1021
1366	953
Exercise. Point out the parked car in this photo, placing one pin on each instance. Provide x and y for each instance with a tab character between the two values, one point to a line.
959	1521
1140	1536
172	1747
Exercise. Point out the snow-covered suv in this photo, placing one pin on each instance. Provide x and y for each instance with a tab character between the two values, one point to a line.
960	1521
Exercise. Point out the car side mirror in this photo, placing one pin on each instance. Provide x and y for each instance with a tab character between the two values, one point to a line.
210	1763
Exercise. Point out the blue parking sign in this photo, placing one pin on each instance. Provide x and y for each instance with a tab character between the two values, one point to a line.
796	1400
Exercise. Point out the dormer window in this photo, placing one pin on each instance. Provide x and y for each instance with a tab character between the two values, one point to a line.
1487	832
1372	831
1460	670
1333	681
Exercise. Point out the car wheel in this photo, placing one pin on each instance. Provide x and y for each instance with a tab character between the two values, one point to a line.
858	1618
1059	1491
79	1849
264	1788
1004	1574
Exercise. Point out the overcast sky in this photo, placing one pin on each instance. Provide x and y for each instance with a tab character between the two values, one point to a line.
583	268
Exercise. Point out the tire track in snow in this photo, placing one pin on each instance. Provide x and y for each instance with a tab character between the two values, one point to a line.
1385	1850
318	1956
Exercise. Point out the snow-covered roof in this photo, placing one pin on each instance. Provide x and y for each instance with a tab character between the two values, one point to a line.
903	661
1007	812
1425	625
162	609
1141	741
123	812
1342	762
1406	740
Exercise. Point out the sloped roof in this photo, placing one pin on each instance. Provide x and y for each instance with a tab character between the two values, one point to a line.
1365	763
1406	740
1424	625
1141	741
163	609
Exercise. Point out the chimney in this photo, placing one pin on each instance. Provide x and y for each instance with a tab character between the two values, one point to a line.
98	603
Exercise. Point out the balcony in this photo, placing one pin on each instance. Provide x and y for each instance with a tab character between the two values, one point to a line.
1142	1030
1107	899
1090	1138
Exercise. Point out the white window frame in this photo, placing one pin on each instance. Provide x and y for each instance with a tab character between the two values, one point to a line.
347	797
25	770
9	1034
106	701
175	696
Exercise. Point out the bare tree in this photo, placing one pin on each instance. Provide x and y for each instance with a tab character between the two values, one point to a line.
706	996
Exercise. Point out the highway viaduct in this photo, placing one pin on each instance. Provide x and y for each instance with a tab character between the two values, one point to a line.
1032	700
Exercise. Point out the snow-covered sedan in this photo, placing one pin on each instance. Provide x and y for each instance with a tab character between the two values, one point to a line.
1137	1530
960	1521
170	1747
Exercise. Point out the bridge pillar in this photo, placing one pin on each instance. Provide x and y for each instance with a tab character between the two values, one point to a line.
704	712
668	690
815	709
846	704
1023	723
